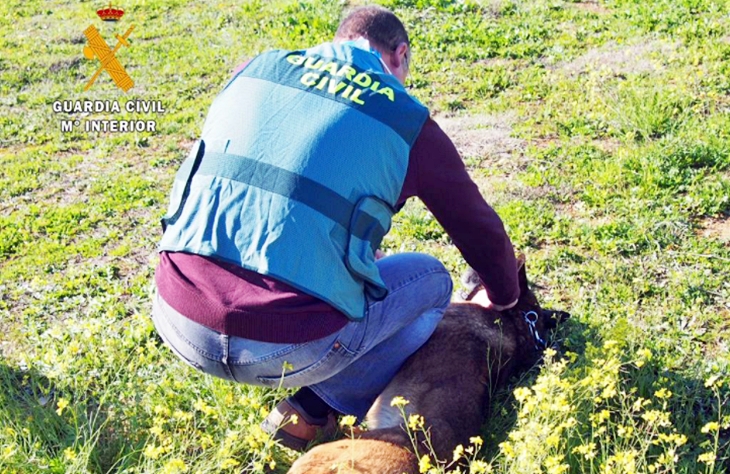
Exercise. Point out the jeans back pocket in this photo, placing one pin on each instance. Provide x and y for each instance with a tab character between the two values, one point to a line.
335	359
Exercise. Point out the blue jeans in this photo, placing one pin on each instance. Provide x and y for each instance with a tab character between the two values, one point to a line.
347	369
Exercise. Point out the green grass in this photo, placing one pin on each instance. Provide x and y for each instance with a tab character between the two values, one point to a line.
623	109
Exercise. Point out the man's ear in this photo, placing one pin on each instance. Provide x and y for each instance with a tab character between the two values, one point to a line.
397	61
401	51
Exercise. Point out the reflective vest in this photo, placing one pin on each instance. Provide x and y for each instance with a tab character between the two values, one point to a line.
301	160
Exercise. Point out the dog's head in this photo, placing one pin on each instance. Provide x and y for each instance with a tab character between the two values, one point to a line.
529	323
532	322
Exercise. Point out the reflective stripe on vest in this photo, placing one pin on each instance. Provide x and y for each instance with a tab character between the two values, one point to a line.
302	158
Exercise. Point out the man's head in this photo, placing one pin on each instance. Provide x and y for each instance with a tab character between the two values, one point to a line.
384	31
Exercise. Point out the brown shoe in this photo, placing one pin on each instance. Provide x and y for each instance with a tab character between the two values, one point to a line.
297	435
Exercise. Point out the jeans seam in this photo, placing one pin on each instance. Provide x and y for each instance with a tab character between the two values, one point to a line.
179	354
189	343
314	366
273	355
404	283
225	343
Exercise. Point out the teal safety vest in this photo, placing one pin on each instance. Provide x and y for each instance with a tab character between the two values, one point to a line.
301	160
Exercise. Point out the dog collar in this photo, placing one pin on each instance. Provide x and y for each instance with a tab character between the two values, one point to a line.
531	318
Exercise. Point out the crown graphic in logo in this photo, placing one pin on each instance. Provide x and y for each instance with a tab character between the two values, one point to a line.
110	14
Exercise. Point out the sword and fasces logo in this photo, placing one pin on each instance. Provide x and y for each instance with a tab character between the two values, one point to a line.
98	48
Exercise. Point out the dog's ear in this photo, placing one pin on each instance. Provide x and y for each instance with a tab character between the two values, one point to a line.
522	272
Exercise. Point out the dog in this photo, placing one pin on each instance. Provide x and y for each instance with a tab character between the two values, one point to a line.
448	381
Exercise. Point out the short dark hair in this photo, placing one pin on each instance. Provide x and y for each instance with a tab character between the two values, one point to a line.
377	24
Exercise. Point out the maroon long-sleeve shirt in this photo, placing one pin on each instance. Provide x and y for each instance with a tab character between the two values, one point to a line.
239	302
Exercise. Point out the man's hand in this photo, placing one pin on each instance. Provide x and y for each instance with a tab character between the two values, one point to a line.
482	299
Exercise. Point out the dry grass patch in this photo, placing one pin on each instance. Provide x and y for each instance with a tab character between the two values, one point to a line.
492	153
714	228
591	7
483	137
622	59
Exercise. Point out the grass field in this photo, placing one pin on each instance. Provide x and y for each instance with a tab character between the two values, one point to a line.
600	131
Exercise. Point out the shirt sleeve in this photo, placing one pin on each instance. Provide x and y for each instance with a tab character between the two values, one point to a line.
437	175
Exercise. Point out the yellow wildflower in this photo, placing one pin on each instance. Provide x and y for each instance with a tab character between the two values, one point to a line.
458	452
62	404
522	393
555	466
74	348
609	392
661	418
707	458
182	415
229	463
476	441
251	441
153	452
398	401
206	441
424	464
479	467
9	450
507	449
623	462
416	422
645	355
714	380
174	466
569	423
663	393
348	420
640	403
599	418
553	440
200	405
587	450
711	426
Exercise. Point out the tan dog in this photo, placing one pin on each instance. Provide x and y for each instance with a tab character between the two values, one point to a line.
448	381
